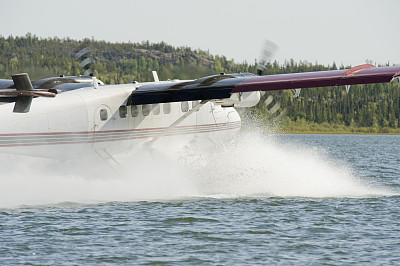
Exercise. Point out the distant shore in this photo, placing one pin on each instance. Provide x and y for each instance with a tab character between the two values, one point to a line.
336	132
325	128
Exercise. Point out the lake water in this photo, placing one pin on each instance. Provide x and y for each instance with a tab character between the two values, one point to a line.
262	199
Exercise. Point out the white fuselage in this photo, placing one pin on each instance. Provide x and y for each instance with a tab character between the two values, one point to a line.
90	120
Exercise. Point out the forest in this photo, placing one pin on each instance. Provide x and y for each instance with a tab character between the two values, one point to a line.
373	108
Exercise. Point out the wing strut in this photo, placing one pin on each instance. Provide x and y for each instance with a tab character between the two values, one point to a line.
347	88
177	122
296	93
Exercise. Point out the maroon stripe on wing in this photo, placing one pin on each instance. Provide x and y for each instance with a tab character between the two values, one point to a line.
357	75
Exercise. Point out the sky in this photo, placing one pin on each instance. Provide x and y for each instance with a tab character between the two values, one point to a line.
348	32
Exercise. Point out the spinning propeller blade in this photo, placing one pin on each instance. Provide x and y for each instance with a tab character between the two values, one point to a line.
86	63
268	52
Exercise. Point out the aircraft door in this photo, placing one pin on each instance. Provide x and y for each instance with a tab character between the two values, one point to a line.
103	121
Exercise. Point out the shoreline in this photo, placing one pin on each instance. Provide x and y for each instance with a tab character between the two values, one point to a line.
299	132
341	131
305	127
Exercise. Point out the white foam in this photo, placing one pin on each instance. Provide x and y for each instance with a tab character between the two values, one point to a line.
253	165
259	166
39	181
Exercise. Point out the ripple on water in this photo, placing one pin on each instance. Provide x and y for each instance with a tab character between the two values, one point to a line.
254	220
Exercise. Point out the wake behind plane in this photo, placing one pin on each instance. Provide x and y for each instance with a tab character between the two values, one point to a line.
61	117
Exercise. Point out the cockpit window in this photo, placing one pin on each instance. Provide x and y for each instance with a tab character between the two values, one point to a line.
167	108
146	109
123	111
134	110
185	106
156	109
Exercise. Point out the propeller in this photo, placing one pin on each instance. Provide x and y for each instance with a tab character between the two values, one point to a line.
268	52
86	62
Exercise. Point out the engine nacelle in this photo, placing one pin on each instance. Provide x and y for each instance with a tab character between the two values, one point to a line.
241	99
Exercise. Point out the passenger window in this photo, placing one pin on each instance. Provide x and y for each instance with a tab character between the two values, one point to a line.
185	106
156	109
134	110
167	108
103	115
123	111
194	103
146	109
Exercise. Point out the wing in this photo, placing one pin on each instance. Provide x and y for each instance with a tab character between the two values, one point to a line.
223	86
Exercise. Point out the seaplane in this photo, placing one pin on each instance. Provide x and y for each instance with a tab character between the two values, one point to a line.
68	116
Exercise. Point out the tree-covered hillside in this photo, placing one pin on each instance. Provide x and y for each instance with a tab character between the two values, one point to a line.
113	62
374	106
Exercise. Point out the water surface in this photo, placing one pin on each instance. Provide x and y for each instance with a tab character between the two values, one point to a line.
270	199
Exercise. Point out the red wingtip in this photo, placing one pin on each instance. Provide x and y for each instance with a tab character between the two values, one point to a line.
356	69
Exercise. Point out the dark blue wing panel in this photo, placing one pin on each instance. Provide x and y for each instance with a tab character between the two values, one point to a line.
222	86
213	87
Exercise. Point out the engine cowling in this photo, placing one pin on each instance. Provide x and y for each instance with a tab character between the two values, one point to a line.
241	99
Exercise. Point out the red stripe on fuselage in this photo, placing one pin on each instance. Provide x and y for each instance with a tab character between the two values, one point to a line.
109	131
211	128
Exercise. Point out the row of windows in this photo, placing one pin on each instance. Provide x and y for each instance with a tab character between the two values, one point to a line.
155	108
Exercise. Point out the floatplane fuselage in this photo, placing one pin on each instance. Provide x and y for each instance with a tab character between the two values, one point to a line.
97	119
63	117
